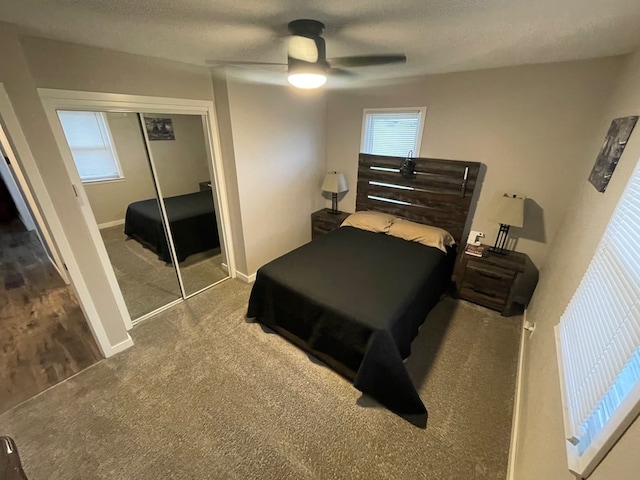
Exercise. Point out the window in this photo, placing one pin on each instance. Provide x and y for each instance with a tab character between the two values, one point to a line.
392	131
91	146
599	340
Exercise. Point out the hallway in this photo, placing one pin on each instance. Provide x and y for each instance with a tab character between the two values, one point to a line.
44	337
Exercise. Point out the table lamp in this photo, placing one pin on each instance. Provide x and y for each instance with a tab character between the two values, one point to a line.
334	183
508	211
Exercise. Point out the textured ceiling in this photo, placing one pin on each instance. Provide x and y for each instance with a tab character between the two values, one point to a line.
436	35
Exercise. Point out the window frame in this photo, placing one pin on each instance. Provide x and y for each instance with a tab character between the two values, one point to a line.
105	130
421	121
624	415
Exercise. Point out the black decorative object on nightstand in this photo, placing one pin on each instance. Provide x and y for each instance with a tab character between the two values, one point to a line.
323	221
503	282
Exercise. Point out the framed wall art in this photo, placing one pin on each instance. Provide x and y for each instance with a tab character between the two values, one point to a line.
611	151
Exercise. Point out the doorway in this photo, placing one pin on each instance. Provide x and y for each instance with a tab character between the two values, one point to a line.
44	336
157	200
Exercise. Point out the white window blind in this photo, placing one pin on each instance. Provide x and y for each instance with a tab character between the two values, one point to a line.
91	146
599	339
392	132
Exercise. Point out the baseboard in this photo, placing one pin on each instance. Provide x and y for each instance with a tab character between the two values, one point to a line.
115	223
119	347
225	267
246	278
515	423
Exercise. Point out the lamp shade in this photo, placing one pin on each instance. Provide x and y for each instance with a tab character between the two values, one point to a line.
334	182
509	210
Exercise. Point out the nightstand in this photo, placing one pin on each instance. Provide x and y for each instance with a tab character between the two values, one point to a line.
500	282
324	222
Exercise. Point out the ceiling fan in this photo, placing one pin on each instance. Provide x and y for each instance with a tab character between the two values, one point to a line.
307	61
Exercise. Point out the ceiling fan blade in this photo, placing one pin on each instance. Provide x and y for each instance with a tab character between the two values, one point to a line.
340	72
230	63
367	60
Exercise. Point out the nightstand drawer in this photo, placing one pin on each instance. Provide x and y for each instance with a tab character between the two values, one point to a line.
324	222
479	273
319	230
483	296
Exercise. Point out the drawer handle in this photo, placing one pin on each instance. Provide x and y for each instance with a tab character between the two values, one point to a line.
490	275
483	293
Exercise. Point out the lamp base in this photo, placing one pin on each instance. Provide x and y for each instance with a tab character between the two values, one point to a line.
501	241
334	205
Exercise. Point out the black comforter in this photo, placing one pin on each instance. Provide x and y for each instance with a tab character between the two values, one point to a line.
192	221
356	298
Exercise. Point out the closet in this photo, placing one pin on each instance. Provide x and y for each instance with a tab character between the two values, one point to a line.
149	182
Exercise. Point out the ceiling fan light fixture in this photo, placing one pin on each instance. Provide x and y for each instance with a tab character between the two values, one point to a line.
308	80
306	75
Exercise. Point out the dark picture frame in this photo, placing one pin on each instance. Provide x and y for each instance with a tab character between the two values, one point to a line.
611	151
159	128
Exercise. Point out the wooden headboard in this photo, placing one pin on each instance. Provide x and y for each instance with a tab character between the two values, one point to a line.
439	195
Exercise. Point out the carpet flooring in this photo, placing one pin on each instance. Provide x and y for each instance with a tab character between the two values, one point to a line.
44	337
148	283
204	394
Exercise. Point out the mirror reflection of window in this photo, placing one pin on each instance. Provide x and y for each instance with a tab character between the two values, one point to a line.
91	145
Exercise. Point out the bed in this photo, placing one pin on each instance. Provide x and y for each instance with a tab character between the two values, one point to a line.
355	299
192	221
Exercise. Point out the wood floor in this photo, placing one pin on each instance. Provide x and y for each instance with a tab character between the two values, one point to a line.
44	337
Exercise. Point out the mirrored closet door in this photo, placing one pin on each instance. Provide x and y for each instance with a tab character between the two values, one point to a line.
149	184
179	154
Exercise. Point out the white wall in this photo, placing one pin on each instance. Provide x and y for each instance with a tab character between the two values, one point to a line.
541	450
278	140
526	124
181	164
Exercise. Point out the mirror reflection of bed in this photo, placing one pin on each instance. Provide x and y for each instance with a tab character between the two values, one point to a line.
139	232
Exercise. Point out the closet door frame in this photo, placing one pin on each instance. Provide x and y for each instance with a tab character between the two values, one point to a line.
54	100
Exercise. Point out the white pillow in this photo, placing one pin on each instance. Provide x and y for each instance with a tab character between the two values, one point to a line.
424	234
372	221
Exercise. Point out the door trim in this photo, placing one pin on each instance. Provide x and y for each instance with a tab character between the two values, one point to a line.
29	167
10	121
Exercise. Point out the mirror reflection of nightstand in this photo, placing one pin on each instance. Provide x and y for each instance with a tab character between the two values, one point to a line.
205	186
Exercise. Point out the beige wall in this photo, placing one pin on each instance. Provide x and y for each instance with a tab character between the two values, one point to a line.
109	200
278	140
68	66
526	124
541	450
223	112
